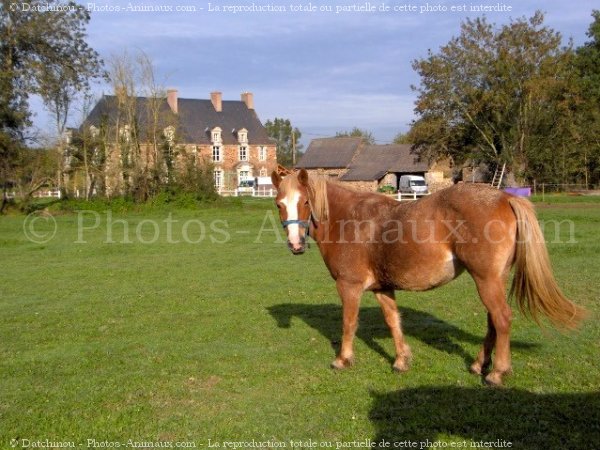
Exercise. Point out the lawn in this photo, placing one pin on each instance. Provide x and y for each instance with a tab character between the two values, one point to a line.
199	328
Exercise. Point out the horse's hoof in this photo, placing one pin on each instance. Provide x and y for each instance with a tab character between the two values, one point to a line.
342	363
479	369
494	379
401	366
476	369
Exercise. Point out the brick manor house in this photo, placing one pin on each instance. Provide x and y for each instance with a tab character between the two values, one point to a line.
226	133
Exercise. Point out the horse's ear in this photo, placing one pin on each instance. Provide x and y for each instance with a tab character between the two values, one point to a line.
303	177
276	179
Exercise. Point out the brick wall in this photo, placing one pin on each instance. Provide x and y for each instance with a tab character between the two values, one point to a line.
229	164
363	186
328	173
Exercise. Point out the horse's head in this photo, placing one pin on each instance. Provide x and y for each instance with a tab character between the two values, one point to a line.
294	207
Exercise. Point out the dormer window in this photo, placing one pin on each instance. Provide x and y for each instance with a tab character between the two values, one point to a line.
169	134
67	136
216	135
94	132
242	136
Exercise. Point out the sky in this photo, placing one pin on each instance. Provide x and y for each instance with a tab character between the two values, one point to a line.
326	65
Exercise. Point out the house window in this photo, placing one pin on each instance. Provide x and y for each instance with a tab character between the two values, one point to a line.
244	175
263	172
243	136
216	135
217	153
94	131
125	133
243	153
218	177
262	153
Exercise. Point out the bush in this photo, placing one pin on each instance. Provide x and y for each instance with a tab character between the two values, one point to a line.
387	189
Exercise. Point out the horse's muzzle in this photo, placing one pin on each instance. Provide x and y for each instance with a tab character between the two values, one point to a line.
297	249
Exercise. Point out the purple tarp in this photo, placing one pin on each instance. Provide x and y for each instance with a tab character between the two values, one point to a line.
520	191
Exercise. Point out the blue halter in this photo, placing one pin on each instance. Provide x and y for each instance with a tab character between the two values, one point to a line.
302	223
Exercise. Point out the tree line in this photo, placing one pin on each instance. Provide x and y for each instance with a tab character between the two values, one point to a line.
515	95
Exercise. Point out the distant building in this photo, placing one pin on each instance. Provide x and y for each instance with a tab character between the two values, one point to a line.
369	167
226	133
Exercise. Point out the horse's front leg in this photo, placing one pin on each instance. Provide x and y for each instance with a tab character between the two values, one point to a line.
387	300
350	294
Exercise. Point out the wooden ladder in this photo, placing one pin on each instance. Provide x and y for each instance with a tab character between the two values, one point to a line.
498	175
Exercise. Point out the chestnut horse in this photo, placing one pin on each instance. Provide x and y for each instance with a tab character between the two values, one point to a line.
370	242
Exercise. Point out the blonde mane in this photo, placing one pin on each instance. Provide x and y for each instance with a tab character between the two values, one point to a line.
317	194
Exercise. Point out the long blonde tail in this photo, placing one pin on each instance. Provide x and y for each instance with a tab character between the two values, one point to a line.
534	285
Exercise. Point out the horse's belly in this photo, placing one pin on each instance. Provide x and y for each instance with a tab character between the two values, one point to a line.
422	277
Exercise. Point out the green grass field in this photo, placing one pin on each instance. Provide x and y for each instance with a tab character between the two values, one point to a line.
200	328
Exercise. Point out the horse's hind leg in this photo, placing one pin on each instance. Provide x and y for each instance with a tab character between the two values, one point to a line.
493	297
484	358
350	294
387	301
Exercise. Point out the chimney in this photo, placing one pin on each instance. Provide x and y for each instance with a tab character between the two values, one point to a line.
248	99
172	99
217	101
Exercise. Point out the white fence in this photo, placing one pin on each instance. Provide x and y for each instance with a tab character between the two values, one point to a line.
264	192
259	192
404	196
48	193
45	193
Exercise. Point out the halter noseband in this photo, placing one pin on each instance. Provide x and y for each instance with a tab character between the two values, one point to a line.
302	223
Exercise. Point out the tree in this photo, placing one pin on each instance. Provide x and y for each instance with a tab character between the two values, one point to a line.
89	148
287	138
145	132
35	169
402	138
42	51
498	96
357	132
588	71
141	138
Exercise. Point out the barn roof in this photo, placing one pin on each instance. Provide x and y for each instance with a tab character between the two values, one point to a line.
374	161
330	153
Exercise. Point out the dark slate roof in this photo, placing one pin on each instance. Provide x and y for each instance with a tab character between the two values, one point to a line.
374	161
330	153
195	119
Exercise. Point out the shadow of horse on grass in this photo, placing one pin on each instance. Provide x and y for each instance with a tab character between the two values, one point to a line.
524	419
327	320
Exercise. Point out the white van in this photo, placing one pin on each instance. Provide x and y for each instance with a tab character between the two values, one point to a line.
412	184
